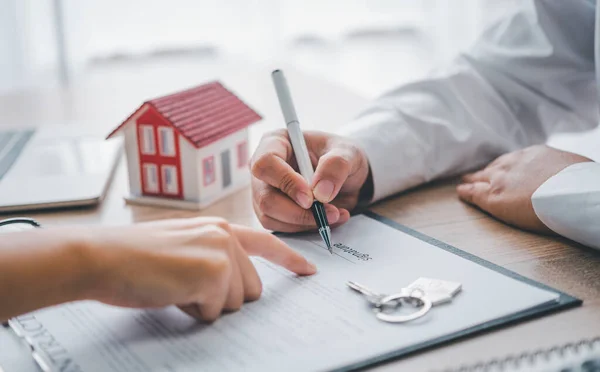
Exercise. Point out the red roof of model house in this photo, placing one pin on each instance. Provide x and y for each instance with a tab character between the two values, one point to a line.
203	114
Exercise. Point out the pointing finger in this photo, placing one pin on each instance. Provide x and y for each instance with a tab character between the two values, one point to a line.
268	246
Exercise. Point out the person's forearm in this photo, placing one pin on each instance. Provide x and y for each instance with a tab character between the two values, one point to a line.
41	268
491	100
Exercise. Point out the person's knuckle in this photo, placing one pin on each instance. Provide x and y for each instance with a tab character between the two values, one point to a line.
210	317
260	164
236	305
263	158
236	302
192	285
280	133
497	189
354	151
223	224
504	166
287	183
337	163
264	201
218	231
303	217
498	182
254	292
264	220
213	275
270	135
358	157
219	266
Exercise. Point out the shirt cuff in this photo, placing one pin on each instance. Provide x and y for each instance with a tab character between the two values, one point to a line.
569	203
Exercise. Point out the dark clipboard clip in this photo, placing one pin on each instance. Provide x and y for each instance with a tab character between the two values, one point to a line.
17	220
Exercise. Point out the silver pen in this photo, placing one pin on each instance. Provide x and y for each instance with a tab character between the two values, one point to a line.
301	152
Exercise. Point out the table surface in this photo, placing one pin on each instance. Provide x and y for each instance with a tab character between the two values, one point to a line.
107	94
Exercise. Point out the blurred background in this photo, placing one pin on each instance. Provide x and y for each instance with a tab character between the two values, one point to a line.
366	45
62	56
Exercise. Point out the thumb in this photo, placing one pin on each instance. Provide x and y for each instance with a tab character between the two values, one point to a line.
268	246
270	164
333	169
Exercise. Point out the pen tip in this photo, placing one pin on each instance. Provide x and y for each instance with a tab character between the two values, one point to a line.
275	72
325	233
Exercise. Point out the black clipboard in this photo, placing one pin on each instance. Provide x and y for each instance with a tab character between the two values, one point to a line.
564	302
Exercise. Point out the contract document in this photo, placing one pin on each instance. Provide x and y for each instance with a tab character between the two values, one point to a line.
311	323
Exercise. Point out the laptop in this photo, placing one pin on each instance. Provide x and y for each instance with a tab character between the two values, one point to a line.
54	167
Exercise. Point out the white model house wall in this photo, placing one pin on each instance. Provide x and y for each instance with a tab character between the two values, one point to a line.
239	176
131	151
189	170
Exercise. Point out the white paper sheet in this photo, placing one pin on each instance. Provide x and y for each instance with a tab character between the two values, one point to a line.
299	324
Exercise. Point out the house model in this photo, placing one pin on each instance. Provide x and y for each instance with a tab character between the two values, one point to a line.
187	149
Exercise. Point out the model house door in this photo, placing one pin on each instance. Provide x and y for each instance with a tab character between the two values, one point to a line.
226	168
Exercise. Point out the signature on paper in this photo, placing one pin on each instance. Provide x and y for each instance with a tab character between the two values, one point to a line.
353	252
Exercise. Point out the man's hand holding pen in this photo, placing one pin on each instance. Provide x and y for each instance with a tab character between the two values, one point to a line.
282	197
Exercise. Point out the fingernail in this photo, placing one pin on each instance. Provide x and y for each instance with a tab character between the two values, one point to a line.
323	190
303	200
312	268
465	187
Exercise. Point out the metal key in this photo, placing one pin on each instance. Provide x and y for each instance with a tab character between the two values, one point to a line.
373	297
422	294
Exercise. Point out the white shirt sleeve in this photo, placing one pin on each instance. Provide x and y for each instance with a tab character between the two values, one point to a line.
569	203
528	77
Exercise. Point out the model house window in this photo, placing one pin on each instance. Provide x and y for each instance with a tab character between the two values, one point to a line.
242	154
150	178
208	170
167	141
147	139
169	179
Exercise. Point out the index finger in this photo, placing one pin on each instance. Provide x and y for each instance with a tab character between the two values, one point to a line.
268	246
270	164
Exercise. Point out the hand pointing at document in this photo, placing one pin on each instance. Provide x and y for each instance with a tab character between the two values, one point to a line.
200	264
281	196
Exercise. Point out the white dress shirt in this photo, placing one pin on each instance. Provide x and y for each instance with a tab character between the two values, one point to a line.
529	76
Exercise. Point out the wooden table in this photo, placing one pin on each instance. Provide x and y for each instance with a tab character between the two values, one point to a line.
106	95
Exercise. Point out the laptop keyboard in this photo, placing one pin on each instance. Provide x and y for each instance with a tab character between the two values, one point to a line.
11	145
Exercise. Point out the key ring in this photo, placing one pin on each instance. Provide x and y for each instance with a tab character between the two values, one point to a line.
404	295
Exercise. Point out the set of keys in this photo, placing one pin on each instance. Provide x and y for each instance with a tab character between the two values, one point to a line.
423	294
